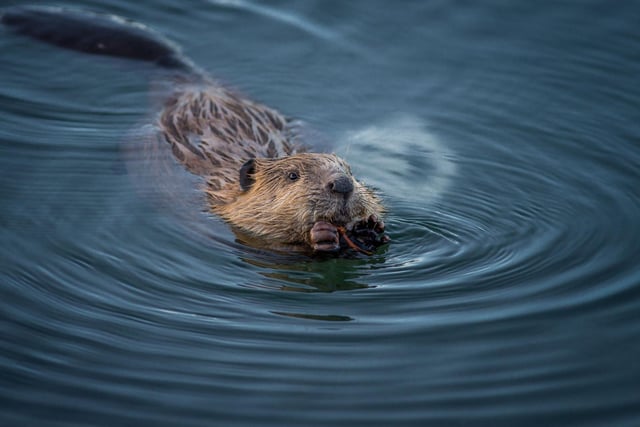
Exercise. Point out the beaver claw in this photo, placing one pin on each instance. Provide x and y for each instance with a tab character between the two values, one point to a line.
325	237
371	224
364	236
368	234
369	229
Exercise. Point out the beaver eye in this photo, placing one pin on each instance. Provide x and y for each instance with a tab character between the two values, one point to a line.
293	176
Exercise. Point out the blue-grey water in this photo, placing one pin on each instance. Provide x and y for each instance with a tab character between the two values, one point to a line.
505	137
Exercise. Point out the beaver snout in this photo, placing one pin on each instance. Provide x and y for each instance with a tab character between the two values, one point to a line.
341	185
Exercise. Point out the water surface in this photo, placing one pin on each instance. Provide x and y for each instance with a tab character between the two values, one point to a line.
505	139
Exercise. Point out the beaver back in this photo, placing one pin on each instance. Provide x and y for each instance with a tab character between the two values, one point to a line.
212	132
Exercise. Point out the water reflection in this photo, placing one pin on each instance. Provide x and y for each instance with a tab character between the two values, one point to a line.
508	296
325	318
326	273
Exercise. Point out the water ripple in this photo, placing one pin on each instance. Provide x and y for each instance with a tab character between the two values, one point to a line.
509	292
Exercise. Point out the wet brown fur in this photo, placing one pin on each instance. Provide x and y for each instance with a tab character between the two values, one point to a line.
213	132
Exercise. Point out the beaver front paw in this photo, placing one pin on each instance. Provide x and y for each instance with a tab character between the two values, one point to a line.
363	236
371	227
366	235
325	237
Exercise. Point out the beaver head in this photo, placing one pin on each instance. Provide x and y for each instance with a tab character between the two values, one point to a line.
281	199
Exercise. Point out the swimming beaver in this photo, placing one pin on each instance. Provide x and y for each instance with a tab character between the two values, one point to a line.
257	178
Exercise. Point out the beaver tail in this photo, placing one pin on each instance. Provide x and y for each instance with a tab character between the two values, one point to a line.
97	33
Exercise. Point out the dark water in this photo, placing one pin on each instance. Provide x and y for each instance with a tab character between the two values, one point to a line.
506	139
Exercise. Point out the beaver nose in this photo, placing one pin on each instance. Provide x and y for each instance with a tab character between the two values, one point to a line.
342	185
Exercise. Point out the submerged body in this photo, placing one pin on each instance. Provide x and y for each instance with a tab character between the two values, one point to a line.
257	177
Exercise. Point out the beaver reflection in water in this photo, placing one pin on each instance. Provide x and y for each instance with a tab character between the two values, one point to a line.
257	178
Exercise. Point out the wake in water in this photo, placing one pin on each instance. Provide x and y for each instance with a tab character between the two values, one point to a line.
399	145
417	167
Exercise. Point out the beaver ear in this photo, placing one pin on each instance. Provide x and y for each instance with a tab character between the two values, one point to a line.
246	174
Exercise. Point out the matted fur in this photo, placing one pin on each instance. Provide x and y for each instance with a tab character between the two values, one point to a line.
285	210
213	132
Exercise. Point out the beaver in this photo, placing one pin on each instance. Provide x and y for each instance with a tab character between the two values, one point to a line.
256	174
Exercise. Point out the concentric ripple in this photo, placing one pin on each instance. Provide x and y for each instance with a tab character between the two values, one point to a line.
503	139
